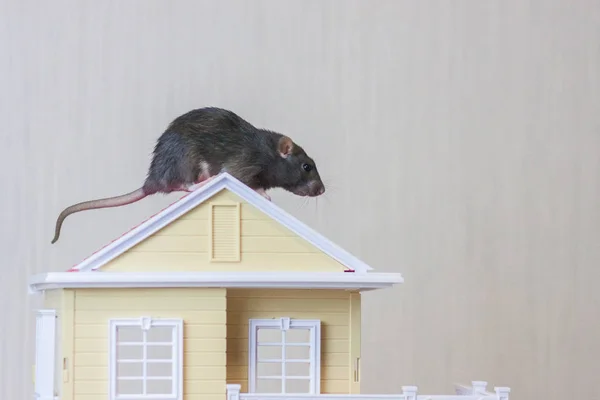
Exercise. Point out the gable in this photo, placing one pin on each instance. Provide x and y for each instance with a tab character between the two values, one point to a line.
224	233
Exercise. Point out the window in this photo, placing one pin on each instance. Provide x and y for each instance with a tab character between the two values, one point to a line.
146	359
284	356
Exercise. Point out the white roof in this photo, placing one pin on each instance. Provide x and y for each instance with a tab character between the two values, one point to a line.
86	274
191	200
251	280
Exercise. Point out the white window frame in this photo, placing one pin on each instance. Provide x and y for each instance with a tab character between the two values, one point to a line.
285	323
146	323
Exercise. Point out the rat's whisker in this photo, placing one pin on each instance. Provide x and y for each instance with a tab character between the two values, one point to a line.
332	189
331	184
300	205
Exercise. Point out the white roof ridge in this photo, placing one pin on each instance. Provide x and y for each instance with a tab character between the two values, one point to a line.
191	200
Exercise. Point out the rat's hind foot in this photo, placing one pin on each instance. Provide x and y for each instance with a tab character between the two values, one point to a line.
263	193
182	188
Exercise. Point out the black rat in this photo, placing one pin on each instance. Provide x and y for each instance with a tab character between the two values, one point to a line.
204	142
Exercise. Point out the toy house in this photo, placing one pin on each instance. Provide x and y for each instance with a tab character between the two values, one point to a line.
220	295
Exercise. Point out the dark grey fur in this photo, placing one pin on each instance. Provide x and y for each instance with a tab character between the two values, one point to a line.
224	142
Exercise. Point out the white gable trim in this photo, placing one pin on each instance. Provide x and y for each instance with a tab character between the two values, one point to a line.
189	202
247	280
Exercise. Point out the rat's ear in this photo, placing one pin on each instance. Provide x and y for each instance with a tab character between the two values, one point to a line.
285	146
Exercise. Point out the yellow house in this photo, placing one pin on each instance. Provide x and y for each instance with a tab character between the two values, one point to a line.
220	290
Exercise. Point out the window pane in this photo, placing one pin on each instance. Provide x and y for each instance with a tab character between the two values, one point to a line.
160	334
135	352
297	335
130	369
129	334
297	386
159	352
268	369
297	352
268	352
268	385
159	369
159	387
266	335
297	369
129	387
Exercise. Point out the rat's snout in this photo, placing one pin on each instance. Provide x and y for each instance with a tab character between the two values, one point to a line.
317	189
312	188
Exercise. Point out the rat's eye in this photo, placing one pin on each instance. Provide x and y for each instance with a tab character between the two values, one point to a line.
306	167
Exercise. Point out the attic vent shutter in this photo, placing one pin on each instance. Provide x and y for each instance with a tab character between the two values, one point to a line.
225	232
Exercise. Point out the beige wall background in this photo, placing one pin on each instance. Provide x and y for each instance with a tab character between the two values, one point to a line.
459	139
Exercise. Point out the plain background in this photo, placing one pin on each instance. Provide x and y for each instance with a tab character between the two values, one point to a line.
459	140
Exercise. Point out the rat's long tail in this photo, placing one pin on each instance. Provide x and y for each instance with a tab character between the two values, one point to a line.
116	201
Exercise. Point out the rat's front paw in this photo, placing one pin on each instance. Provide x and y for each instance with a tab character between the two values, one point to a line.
263	194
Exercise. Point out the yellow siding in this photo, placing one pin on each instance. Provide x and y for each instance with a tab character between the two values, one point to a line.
330	306
202	310
185	245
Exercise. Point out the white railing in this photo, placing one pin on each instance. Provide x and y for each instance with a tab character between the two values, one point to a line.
475	392
480	388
